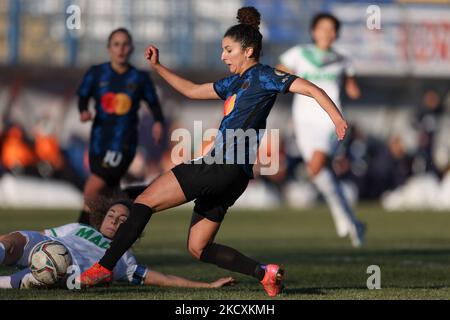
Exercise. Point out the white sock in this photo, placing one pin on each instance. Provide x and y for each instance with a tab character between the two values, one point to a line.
5	282
2	253
333	193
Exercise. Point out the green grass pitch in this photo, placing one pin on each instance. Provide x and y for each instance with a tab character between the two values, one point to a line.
411	248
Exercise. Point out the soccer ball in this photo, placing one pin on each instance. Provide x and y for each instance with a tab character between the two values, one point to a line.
49	261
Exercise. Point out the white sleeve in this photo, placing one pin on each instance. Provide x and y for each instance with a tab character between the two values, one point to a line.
61	231
291	58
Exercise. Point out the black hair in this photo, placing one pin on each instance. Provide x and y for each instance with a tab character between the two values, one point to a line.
247	31
323	15
122	30
125	202
100	205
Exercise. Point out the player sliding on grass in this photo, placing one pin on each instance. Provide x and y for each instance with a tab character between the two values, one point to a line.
86	245
249	95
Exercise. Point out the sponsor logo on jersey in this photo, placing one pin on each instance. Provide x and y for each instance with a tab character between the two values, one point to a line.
116	103
93	236
228	106
319	76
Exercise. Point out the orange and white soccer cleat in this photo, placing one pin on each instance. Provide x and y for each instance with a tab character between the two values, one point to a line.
273	278
96	275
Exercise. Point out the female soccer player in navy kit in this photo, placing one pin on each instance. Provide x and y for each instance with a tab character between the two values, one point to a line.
249	95
117	88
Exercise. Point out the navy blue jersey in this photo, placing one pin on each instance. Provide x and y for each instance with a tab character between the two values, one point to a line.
117	98
248	100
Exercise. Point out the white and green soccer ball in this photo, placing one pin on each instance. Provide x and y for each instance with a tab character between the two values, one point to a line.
49	261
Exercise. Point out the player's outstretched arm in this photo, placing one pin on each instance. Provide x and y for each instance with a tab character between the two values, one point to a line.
309	89
186	87
154	278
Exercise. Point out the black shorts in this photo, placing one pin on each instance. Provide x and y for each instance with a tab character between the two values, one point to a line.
216	187
110	169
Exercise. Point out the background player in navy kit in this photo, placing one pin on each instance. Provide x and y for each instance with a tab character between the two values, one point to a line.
250	94
117	88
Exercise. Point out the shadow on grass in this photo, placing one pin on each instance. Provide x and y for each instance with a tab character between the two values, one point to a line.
307	291
324	256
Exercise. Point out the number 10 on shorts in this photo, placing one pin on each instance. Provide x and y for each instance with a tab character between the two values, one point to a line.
112	158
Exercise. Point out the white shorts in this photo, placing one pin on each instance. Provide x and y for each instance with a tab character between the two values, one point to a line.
314	131
33	238
313	137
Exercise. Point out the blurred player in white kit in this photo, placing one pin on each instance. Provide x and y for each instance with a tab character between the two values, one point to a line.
321	64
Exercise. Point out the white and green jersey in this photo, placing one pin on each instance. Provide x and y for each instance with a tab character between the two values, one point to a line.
87	246
313	127
325	69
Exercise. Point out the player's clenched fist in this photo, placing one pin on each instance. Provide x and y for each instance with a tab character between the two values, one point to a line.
152	55
341	128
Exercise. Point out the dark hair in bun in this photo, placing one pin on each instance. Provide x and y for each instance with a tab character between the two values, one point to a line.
250	16
247	31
